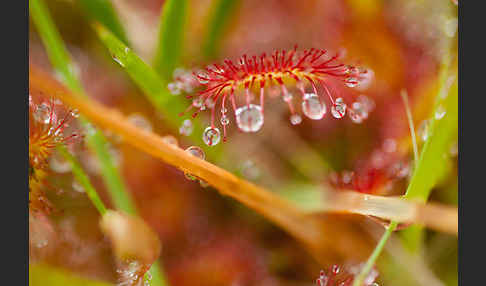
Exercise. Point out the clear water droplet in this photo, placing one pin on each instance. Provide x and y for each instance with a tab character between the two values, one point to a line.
59	164
118	61
440	112
250	170
357	112
347	176
351	81
174	88
140	121
249	118
211	136
74	113
225	120
42	113
389	145
203	77
312	106
367	103
196	152
209	103
423	130
287	97
186	128
199	103
169	139
77	187
339	108
203	183
295	119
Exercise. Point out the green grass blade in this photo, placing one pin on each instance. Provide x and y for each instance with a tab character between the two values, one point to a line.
61	61
431	167
154	88
220	14
41	275
171	37
53	43
83	179
103	12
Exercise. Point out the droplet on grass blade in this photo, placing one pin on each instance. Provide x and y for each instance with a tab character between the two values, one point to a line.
196	152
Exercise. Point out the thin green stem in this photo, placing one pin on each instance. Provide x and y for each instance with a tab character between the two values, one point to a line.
83	179
358	281
443	130
60	59
404	95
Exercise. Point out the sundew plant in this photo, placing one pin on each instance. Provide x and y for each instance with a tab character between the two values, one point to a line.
230	142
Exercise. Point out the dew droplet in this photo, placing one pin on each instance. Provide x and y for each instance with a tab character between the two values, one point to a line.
389	145
351	81
367	103
169	139
339	108
203	77
295	119
347	176
211	136
140	121
423	130
250	170
357	112
196	152
209	103
42	113
225	120
59	164
74	113
249	118
118	61
440	112
174	88
77	187
203	183
186	128
199	103
312	106
287	97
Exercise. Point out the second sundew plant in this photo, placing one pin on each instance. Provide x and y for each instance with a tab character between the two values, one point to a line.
313	85
311	71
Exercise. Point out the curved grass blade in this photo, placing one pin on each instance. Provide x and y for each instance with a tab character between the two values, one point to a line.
221	13
83	179
431	166
102	11
61	61
171	37
154	88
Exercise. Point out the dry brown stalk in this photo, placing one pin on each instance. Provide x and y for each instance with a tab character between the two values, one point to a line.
317	233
